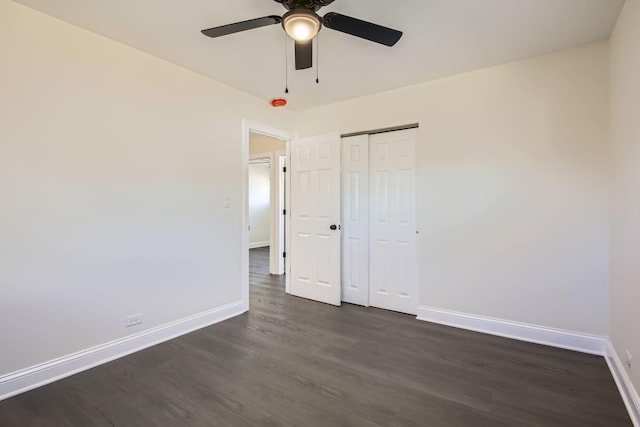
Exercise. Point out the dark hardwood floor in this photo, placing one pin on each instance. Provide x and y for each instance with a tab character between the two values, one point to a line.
292	362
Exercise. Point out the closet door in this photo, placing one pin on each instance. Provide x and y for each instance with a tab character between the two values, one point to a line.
393	269
355	220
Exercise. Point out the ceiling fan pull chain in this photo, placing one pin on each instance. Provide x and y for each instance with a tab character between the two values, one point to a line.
318	59
286	66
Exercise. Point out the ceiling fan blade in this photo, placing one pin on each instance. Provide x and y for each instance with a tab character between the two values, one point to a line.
363	29
304	55
242	26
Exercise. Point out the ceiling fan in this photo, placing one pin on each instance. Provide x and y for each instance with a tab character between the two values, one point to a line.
302	24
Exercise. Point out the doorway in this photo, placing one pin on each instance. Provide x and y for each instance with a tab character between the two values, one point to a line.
259	202
266	198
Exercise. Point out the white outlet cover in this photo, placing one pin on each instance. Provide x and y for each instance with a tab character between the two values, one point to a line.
133	319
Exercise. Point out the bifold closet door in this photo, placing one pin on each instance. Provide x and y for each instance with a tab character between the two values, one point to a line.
393	267
355	220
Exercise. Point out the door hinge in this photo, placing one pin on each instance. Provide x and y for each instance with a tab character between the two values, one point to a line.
284	211
284	169
284	254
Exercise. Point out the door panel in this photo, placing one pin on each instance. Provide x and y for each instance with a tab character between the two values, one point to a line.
355	220
315	206
394	270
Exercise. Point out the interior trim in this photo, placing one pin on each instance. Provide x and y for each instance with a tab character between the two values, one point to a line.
256	245
54	370
625	386
382	130
584	343
568	340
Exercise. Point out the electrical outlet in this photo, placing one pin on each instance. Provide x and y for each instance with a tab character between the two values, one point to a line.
629	359
133	319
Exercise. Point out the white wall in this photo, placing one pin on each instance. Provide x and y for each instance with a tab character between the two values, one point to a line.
512	186
259	204
111	187
113	169
625	188
261	144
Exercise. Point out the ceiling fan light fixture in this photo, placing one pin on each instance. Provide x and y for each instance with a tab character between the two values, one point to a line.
301	24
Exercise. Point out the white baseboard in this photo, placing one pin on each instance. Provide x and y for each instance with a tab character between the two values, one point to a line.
548	336
520	331
37	376
625	386
256	245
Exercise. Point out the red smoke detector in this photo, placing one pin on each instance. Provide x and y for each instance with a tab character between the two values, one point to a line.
278	102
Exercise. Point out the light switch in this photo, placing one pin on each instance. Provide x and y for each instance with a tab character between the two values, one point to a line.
226	202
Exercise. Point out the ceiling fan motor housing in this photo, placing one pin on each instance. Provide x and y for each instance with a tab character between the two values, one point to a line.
313	5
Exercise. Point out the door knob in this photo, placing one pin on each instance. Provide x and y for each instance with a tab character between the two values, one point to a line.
333	227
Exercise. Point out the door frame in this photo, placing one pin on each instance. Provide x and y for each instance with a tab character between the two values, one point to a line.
249	126
280	161
287	220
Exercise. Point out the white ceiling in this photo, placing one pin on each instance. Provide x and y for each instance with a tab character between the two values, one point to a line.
441	38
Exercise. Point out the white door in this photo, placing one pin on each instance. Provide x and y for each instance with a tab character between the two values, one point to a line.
355	220
393	268
315	218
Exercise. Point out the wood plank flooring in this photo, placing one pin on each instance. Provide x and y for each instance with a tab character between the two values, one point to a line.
292	362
